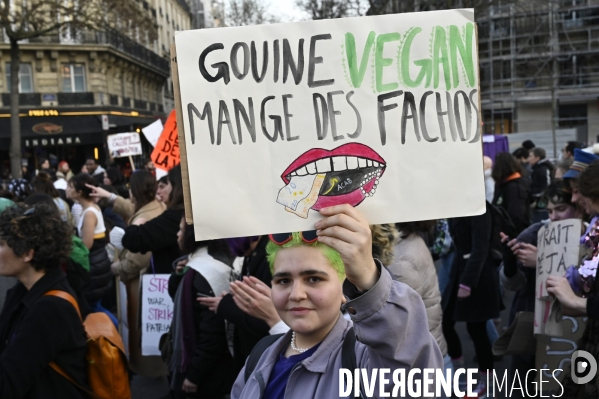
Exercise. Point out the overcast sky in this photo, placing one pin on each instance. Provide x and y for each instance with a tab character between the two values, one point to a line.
285	10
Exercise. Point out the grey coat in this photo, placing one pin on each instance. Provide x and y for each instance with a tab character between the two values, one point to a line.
391	326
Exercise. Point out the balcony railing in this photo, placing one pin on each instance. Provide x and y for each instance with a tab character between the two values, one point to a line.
112	38
83	98
34	99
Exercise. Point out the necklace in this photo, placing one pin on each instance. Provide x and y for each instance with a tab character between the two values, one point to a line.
295	348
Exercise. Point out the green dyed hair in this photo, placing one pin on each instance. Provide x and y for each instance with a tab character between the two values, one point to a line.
329	253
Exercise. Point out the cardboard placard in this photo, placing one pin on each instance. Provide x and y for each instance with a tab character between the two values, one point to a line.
166	154
124	144
153	131
558	248
282	120
156	312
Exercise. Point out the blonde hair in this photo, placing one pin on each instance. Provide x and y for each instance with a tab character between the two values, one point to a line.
384	238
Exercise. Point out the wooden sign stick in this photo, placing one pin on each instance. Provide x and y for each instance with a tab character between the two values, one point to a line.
181	132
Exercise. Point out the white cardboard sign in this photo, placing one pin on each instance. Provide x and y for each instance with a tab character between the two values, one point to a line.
379	112
124	144
156	312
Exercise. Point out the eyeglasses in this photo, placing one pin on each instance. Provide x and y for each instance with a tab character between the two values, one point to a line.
309	237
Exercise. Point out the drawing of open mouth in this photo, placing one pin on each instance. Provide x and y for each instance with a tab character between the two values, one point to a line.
320	178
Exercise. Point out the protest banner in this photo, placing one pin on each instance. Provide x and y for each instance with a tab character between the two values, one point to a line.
156	312
124	144
166	152
282	120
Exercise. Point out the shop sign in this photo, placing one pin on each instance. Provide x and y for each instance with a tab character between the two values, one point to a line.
52	141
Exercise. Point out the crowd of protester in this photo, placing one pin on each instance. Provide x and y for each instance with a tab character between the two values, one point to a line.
311	291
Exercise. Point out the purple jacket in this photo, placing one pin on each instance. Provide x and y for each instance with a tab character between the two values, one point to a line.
391	326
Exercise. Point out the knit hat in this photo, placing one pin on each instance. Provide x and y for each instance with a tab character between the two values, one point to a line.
61	163
581	161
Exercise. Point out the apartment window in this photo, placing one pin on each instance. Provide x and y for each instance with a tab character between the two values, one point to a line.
25	78
73	78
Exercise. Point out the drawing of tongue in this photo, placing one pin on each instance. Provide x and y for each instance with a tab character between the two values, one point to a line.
346	175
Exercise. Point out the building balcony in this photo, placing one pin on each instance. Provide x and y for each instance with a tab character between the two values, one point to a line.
109	37
25	99
85	98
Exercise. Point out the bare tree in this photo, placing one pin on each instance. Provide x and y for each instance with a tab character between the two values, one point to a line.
329	9
247	12
30	19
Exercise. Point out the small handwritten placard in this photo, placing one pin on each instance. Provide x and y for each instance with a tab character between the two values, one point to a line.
156	312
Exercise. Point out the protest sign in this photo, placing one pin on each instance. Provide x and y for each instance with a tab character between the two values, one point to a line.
558	248
124	144
156	312
379	112
153	131
166	152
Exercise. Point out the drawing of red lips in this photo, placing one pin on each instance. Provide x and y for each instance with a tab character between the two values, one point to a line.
352	173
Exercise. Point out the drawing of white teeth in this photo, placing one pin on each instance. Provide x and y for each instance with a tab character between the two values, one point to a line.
372	191
361	163
302	171
311	168
368	162
375	163
376	181
352	162
339	163
323	165
294	173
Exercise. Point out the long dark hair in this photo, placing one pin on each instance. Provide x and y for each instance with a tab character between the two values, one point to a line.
505	166
143	187
175	199
42	183
115	176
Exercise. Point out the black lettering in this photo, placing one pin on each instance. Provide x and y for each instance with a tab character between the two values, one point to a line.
277	120
250	122
224	118
423	118
474	105
384	108
192	110
458	118
288	116
316	60
297	70
358	131
450	116
246	60
277	60
333	113
259	78
321	127
408	101
223	68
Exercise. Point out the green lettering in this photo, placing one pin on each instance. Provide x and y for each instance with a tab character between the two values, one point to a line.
456	45
424	64
381	62
357	74
441	58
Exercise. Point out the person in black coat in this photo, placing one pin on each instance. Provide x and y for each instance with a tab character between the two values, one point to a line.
201	365
472	294
35	329
159	235
512	191
248	330
542	173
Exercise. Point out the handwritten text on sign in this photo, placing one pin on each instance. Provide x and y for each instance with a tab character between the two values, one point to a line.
283	120
166	152
124	144
156	312
558	247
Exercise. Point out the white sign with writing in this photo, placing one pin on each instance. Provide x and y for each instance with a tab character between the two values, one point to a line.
124	144
558	248
378	112
156	312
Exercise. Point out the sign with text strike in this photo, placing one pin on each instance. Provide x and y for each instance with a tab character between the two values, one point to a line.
156	312
378	112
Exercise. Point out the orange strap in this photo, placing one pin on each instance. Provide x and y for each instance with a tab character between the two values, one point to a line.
68	297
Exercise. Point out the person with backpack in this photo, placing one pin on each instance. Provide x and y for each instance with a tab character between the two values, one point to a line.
512	192
201	363
518	270
36	329
309	268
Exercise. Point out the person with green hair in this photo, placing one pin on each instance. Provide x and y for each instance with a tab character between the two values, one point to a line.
311	272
